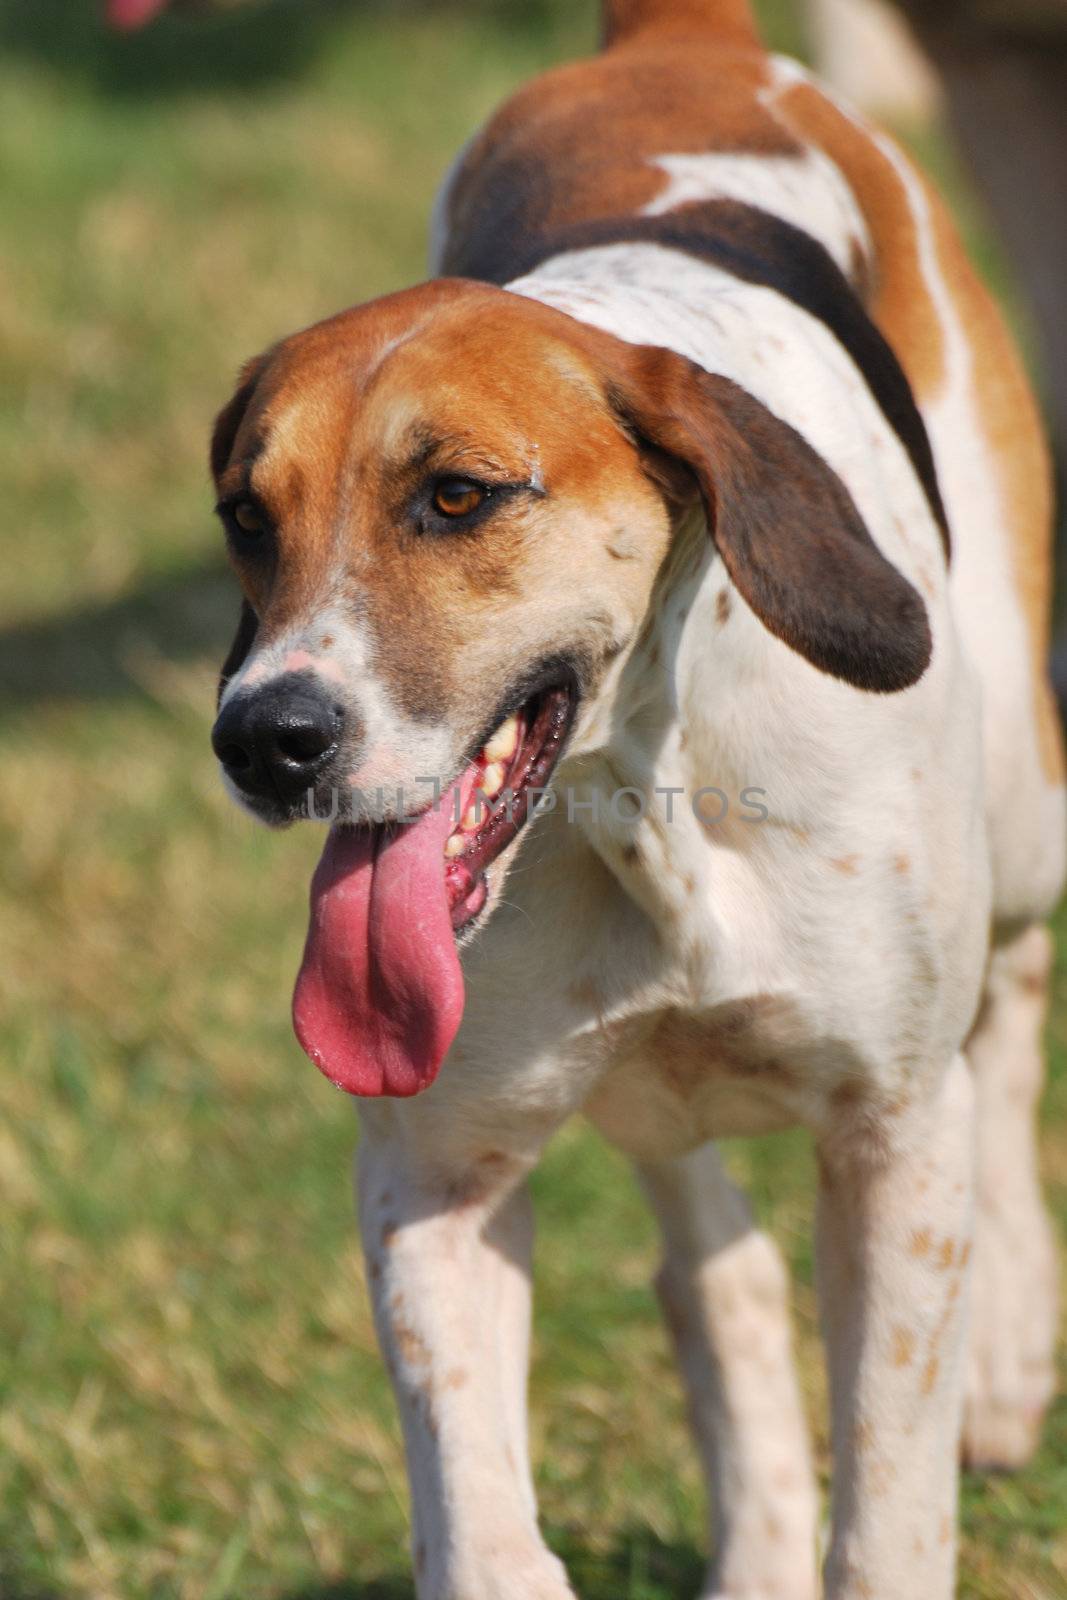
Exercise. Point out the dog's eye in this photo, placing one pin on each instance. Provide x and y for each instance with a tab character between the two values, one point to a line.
248	518
457	497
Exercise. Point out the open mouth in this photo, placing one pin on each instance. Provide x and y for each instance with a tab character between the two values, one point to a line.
379	996
498	789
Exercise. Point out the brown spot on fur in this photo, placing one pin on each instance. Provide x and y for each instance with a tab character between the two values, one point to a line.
903	1346
946	1255
945	1531
847	864
862	1437
930	1372
455	1379
326	642
631	854
410	1346
921	1240
722	605
901	864
390	1228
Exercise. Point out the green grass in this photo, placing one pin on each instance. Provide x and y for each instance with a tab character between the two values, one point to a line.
191	1404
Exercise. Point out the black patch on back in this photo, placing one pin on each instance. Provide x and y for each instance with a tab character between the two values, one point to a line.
752	245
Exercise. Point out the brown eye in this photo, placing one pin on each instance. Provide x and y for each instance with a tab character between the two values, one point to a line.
457	497
248	518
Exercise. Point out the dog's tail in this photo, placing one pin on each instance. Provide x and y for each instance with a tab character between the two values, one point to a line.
730	21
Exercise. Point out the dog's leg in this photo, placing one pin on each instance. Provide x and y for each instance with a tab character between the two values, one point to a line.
895	1225
448	1262
724	1291
1010	1378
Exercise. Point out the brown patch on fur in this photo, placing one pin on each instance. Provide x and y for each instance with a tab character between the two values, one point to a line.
410	1346
722	606
946	1255
901	302
903	1347
863	1437
1015	435
920	1243
929	1377
455	1379
741	1038
849	865
901	865
520	180
726	20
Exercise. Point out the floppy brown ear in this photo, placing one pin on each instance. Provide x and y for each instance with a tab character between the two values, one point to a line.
785	525
223	435
231	416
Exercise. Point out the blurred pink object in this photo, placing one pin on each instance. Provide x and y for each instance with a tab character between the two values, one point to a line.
130	14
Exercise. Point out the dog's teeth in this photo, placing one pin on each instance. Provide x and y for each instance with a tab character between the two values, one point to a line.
454	844
493	778
502	744
472	819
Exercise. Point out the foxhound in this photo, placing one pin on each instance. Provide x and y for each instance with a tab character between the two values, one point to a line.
655	601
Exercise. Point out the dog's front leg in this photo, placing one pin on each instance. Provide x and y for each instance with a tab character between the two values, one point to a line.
447	1246
895	1221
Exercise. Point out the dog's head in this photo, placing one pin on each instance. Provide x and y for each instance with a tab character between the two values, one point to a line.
447	510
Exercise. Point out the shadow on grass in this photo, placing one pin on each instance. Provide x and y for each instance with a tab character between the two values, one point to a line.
13	1586
94	653
235	50
638	1566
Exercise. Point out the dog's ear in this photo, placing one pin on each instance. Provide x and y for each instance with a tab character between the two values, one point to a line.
222	440
232	414
785	525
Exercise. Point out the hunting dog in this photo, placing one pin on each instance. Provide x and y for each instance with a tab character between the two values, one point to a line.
656	600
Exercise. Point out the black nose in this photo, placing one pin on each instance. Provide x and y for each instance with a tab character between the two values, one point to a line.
276	741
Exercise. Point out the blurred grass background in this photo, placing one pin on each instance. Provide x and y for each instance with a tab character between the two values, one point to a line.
191	1404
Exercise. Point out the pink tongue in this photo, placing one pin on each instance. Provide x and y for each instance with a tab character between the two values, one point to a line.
128	14
380	993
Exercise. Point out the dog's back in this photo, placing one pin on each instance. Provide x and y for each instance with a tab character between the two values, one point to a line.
684	132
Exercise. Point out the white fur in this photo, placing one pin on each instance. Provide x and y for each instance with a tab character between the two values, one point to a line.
806	191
